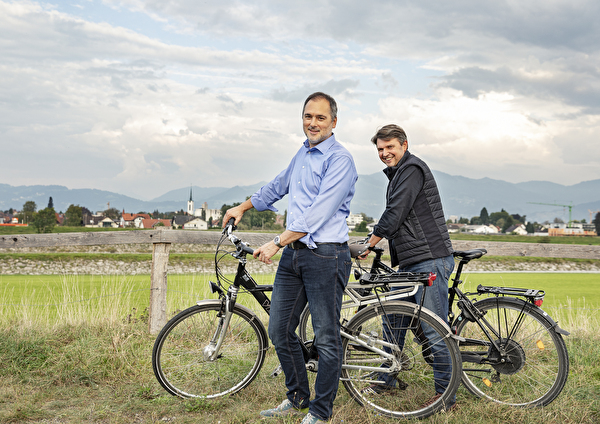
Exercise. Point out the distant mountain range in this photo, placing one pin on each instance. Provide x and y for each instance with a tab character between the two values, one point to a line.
461	196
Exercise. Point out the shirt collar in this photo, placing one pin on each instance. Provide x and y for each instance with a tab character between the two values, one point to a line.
391	171
323	146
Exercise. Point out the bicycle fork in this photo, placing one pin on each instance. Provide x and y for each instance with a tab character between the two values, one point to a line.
211	352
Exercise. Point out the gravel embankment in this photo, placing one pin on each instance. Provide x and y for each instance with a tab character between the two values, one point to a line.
102	265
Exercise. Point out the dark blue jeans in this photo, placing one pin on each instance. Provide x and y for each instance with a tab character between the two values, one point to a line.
319	277
436	300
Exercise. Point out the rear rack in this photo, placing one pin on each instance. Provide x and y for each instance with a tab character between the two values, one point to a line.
534	296
425	278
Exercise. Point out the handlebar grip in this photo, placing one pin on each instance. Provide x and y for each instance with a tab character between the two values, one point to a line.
230	226
247	249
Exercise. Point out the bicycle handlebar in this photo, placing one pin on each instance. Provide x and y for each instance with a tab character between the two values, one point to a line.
239	244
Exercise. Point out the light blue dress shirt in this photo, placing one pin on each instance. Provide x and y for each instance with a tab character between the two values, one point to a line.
320	183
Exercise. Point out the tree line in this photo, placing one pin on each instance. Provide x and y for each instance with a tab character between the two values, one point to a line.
504	221
45	219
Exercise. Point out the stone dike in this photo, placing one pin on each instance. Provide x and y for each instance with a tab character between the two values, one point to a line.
555	258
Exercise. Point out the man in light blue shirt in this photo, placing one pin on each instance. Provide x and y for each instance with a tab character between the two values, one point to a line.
315	264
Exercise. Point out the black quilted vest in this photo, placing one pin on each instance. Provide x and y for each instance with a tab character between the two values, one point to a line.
423	235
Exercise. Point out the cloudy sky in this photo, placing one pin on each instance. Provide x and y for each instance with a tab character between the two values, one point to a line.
145	96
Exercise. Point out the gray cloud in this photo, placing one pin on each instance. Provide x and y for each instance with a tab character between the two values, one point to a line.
342	88
122	108
577	89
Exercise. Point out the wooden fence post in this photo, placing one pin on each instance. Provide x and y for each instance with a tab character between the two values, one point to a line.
158	290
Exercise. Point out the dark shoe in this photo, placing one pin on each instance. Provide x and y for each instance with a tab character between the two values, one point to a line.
379	389
451	407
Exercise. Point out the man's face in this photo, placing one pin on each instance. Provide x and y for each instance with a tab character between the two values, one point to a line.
391	151
317	122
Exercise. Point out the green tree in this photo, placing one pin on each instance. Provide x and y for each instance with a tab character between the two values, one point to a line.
463	220
530	228
484	217
45	220
500	223
362	227
252	219
113	213
74	216
509	222
475	220
50	203
496	216
596	223
28	212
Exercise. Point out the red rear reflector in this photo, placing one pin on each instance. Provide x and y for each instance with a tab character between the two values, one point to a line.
538	302
431	279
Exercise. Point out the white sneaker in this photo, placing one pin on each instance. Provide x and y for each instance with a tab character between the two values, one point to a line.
286	409
311	419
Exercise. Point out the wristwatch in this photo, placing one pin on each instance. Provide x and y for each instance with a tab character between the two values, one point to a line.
277	242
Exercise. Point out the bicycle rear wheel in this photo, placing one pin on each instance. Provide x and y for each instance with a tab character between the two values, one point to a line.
180	357
404	386
536	366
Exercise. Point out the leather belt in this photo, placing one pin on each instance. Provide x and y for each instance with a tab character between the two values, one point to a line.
297	245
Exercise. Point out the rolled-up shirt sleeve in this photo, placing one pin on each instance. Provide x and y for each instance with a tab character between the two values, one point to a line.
273	191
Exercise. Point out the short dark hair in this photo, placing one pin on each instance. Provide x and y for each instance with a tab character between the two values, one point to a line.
320	95
389	132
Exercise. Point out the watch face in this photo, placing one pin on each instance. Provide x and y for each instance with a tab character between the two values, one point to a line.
276	240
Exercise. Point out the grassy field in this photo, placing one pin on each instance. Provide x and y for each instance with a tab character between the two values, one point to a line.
508	238
76	349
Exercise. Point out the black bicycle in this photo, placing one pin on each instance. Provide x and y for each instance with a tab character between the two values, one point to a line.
217	347
512	351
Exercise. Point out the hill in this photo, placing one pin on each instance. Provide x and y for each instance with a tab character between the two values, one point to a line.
461	196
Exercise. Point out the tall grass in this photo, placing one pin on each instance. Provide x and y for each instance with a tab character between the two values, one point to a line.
79	351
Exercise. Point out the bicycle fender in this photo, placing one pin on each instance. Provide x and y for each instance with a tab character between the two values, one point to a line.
415	307
528	306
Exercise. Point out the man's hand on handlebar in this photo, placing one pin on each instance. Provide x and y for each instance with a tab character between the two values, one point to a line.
373	240
237	212
364	254
265	252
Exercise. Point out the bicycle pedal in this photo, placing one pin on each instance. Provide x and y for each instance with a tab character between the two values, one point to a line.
276	371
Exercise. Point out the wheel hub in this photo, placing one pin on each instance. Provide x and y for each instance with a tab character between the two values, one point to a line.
512	362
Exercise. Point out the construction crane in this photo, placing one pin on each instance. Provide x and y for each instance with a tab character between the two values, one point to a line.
555	204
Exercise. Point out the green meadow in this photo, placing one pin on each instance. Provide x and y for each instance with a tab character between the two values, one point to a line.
76	348
55	299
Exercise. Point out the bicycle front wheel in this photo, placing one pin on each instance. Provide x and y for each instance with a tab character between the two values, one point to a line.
387	361
527	366
183	360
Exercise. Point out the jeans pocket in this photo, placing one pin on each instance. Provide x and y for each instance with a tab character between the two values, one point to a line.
325	251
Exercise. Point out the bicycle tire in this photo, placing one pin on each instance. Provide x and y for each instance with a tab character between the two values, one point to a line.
538	362
415	382
179	360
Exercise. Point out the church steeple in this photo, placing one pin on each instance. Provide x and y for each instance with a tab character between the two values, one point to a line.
190	205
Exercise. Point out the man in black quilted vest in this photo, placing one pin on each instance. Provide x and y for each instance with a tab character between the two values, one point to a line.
414	225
